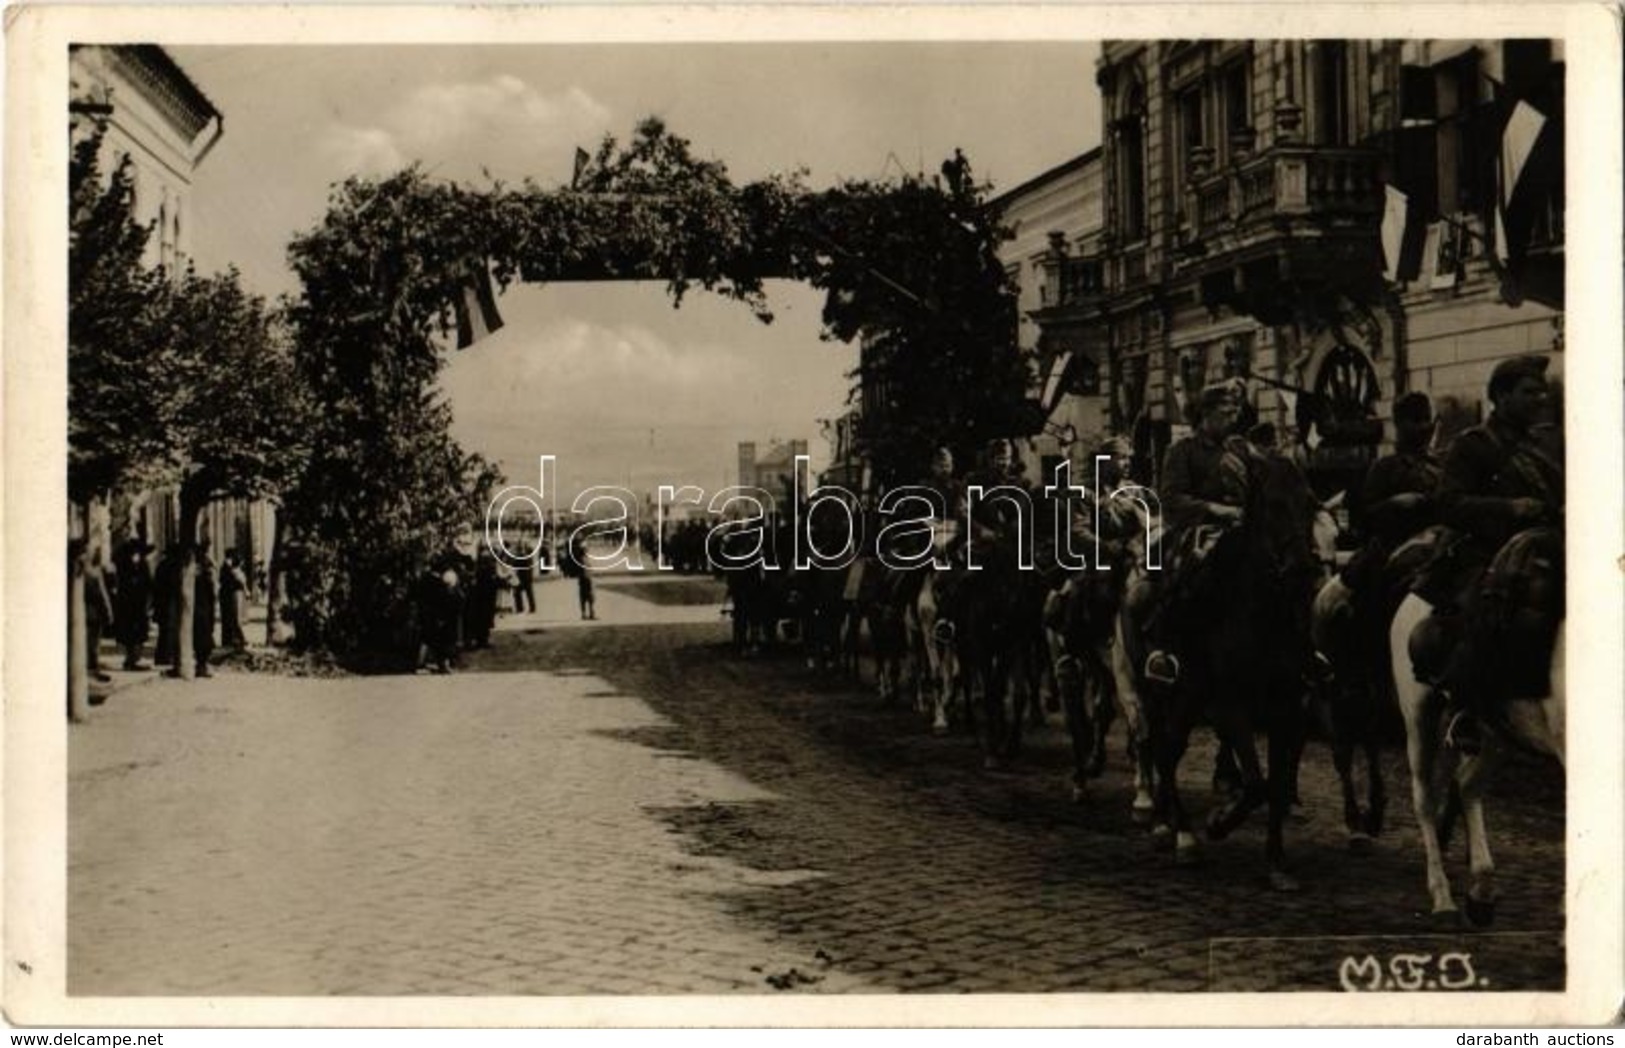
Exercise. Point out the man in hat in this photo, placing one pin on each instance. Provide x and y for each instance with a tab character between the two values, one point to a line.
1500	478
1204	484
1399	497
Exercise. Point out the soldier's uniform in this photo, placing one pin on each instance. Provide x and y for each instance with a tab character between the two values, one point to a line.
1489	469
1199	474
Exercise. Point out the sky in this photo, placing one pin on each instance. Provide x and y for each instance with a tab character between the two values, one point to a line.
609	378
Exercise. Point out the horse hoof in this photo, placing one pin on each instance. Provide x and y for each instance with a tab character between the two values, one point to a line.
1282	881
1480	914
1220	823
1079	794
1162	837
939	728
1361	843
1446	920
1141	813
994	764
1186	851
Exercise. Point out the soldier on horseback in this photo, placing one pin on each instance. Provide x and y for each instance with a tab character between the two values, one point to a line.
1204	485
1501	479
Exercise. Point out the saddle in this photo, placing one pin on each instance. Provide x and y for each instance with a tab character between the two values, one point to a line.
1508	618
1512	624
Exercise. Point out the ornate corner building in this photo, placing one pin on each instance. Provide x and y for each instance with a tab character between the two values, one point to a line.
1336	221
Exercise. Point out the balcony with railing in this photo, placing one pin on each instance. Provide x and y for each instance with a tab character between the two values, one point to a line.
1285	188
1071	283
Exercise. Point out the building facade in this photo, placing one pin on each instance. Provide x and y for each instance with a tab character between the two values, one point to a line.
1259	202
1053	257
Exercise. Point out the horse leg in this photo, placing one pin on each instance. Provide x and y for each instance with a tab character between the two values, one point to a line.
1376	813
1139	734
1169	742
1286	736
1353	820
1254	790
991	683
1100	682
1471	779
1418	706
1069	682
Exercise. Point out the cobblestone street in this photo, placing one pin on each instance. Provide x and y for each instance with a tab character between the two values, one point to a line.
625	807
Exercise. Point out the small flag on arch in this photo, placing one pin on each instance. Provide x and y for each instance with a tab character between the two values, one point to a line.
476	306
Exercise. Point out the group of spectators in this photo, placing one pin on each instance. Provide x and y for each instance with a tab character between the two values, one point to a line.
463	590
129	597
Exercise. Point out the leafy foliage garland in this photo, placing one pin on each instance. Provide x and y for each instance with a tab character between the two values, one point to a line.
909	268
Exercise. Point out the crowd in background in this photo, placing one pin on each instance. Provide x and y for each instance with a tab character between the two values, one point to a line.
132	597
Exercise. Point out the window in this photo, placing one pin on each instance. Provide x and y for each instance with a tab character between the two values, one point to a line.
1331	97
1465	168
1235	103
1131	165
1188	110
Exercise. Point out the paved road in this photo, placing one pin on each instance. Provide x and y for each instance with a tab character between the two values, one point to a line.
625	807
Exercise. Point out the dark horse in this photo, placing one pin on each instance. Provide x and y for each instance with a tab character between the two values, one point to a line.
1243	639
999	641
1355	697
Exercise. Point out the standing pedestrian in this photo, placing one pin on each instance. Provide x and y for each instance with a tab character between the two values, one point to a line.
205	598
573	562
166	599
233	589
132	611
524	591
99	617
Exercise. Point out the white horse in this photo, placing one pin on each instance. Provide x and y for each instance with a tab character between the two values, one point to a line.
937	676
1535	723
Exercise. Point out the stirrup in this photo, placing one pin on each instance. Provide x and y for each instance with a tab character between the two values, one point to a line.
1162	667
943	633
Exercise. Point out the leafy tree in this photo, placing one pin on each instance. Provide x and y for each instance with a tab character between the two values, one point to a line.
241	415
386	486
118	388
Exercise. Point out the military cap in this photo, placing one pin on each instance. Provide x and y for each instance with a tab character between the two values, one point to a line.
1510	372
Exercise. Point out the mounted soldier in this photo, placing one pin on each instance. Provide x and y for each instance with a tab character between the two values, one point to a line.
1502	481
1204	485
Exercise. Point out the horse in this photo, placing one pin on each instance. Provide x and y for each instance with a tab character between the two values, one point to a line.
1532	718
879	603
1244	659
1081	623
999	640
1354	695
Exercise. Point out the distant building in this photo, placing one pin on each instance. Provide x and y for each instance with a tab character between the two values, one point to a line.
771	470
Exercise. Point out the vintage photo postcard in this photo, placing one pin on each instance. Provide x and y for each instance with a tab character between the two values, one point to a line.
995	515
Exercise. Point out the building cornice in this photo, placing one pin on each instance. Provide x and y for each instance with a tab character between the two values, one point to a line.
166	86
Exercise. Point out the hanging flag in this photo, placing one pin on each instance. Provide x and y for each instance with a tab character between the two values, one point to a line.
1402	237
582	159
1054	384
1518	142
476	307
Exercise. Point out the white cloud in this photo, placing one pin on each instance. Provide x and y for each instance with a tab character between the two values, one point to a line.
500	123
